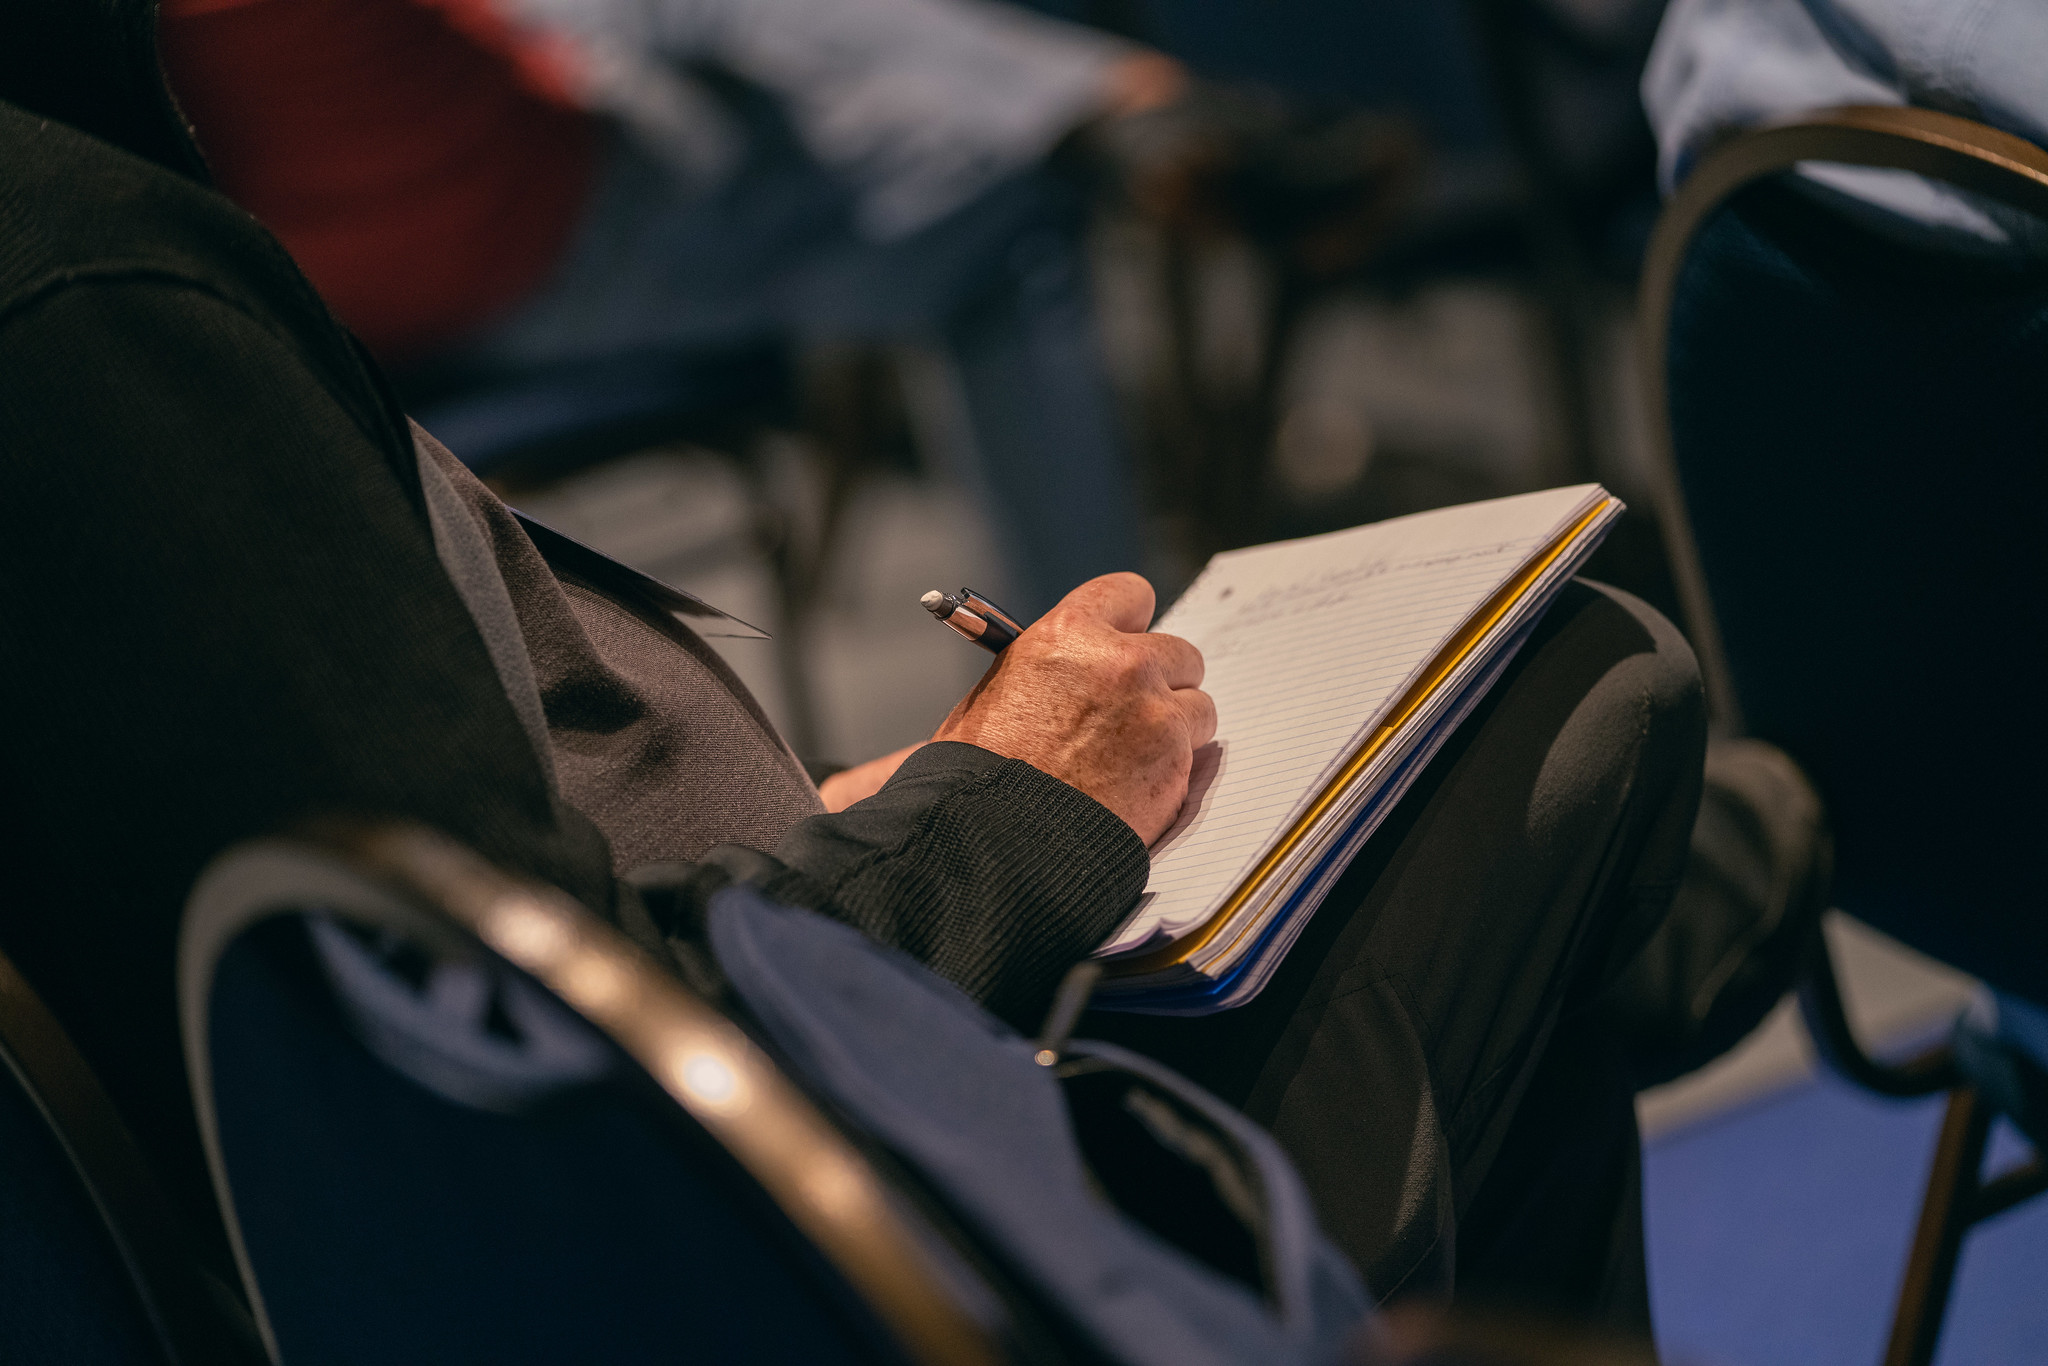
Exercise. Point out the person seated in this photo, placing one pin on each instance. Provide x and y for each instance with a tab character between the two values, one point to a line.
492	188
243	591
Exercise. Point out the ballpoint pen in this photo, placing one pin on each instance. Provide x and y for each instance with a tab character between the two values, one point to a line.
974	617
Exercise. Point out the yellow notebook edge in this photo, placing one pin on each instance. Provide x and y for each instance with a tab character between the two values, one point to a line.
1440	668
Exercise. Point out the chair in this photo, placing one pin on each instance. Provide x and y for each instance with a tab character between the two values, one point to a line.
1854	476
94	1270
526	428
1310	197
453	1117
1330	184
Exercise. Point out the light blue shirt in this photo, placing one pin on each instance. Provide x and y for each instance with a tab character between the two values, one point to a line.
1723	65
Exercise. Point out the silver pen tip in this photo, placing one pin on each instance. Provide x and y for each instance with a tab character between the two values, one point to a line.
933	600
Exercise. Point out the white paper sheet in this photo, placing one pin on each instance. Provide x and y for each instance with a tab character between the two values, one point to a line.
1308	643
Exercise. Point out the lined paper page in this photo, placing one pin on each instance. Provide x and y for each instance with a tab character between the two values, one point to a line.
1308	643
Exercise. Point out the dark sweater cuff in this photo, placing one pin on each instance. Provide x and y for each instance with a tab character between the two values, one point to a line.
994	874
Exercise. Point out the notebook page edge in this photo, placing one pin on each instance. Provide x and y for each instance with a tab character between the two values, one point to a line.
1454	699
1589	514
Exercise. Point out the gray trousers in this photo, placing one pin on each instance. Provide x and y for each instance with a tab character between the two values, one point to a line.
1429	1053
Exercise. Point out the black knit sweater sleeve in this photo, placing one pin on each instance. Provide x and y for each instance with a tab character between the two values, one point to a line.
993	874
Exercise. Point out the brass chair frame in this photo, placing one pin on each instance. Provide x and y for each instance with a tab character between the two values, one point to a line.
417	883
2009	171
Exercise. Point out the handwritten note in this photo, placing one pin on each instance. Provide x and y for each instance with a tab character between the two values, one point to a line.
1308	643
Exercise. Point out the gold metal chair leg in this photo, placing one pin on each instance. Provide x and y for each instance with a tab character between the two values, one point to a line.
1950	1209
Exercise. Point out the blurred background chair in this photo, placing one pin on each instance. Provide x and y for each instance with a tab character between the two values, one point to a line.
1854	441
1377	150
94	1268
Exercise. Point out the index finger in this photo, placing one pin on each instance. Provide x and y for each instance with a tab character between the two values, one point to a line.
1121	601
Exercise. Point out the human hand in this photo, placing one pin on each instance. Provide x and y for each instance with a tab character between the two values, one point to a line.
850	785
1090	697
1141	83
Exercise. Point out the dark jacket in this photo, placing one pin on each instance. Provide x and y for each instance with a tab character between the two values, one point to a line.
235	592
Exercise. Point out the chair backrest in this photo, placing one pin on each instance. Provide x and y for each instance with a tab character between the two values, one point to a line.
1856	478
454	1117
93	1269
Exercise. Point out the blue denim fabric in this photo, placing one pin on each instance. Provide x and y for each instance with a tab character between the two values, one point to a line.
775	252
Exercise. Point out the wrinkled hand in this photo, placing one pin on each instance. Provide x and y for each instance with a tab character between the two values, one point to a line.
1090	697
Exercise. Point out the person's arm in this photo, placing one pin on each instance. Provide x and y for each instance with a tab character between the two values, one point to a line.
222	612
229	601
1009	847
224	609
992	873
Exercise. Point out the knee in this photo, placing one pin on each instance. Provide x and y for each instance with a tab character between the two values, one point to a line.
1640	731
1637	731
1649	667
1664	676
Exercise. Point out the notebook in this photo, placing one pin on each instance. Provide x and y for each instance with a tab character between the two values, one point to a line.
1339	664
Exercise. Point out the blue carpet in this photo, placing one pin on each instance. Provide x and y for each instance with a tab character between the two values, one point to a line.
1778	1233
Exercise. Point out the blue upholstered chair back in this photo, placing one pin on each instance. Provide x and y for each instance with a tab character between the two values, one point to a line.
386	1221
1860	432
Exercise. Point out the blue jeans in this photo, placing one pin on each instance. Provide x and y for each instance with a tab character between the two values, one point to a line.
1001	284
